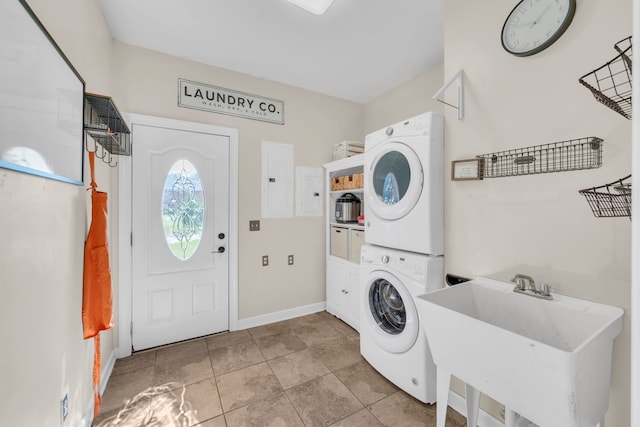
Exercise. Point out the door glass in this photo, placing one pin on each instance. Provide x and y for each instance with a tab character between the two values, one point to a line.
387	307
391	177
183	209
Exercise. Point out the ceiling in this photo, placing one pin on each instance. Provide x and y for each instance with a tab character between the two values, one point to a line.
357	50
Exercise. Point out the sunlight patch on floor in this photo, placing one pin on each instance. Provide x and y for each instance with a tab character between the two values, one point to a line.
163	405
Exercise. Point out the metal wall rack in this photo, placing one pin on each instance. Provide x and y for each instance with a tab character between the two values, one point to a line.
610	200
575	154
611	83
104	123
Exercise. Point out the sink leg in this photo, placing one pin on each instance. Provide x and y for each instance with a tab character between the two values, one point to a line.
443	380
510	417
473	405
601	423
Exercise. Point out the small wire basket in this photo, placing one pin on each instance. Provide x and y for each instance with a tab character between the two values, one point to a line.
562	156
611	83
610	200
103	122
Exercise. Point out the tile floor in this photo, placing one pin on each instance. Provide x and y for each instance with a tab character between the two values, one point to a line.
301	372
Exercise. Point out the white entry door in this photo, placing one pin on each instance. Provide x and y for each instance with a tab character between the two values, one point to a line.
180	224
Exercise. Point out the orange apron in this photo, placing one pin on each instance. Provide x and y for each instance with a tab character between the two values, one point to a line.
97	299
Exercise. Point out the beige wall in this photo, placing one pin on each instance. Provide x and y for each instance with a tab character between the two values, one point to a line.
43	224
145	82
407	100
539	224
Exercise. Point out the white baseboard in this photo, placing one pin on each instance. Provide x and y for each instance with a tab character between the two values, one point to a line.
105	374
107	368
264	319
459	403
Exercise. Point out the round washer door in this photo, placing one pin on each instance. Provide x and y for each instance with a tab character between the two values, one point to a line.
394	181
390	314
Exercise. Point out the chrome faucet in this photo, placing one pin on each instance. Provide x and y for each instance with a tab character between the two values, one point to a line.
526	285
519	280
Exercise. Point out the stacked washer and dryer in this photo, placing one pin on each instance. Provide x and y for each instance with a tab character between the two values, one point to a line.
403	254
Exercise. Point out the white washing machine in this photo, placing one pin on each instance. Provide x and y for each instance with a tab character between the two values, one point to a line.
391	336
404	185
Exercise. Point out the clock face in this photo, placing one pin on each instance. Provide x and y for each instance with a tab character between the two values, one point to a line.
533	25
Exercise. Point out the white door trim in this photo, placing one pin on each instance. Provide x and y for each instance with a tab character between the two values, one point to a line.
123	319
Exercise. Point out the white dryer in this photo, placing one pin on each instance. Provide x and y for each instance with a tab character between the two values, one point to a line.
391	336
404	185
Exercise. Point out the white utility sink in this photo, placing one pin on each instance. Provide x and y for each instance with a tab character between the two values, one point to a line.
547	360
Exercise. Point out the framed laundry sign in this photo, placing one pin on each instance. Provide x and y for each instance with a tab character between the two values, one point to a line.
215	99
41	100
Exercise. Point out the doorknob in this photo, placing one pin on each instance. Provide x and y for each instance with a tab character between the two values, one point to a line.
220	250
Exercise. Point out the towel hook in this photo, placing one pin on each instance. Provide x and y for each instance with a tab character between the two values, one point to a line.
103	151
86	144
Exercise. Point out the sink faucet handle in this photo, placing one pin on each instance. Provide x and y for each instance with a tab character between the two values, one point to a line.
519	280
519	283
546	289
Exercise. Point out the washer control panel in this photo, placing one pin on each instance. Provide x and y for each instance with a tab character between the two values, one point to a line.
407	263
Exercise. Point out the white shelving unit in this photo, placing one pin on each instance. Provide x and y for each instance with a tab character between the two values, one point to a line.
343	262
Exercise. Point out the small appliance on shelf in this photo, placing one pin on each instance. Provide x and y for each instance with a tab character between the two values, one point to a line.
348	208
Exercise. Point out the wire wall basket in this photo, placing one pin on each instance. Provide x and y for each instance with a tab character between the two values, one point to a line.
611	83
610	200
575	154
103	122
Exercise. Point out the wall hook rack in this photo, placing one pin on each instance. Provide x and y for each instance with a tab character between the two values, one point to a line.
459	79
108	130
101	153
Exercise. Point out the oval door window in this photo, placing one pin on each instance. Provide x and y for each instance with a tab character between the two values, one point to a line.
387	307
395	181
391	177
183	209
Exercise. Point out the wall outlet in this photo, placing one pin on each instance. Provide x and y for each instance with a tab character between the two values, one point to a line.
254	225
290	259
64	408
265	260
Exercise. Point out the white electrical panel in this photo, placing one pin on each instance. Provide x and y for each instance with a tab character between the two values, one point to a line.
277	180
309	187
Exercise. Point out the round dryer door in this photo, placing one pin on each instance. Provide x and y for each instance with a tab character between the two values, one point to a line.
394	181
390	313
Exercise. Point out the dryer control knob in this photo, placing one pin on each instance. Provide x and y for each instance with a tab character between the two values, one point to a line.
389	131
385	259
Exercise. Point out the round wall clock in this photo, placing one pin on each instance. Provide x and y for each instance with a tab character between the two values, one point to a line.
534	25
